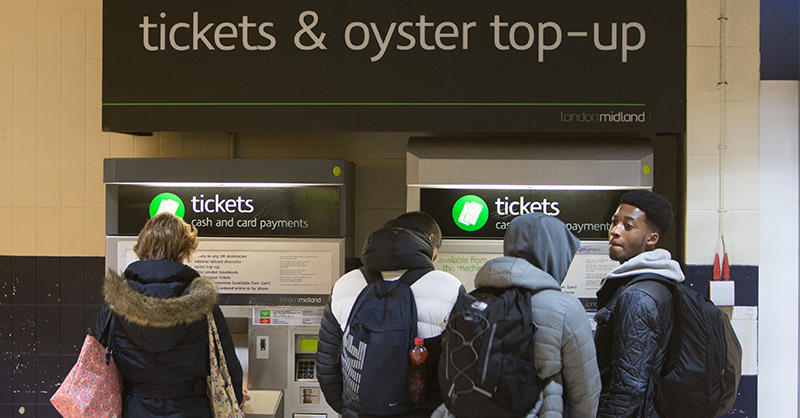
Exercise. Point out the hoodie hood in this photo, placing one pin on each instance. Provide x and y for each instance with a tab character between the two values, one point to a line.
543	241
538	251
658	261
397	246
158	307
504	272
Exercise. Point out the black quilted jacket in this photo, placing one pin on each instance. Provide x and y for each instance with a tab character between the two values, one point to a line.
634	325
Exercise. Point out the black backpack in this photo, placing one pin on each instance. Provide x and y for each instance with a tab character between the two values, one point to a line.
701	372
486	366
380	330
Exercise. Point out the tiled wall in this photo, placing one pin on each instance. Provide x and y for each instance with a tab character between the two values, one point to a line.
52	147
740	128
732	114
46	305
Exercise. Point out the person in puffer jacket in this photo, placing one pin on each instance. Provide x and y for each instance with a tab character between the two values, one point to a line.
538	250
161	334
634	323
409	242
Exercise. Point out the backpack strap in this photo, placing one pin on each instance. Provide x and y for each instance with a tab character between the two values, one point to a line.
653	278
408	278
523	295
670	284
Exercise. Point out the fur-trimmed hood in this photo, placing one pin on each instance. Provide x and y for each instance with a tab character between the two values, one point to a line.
158	302
198	300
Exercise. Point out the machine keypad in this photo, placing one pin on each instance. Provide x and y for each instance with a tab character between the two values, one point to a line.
306	369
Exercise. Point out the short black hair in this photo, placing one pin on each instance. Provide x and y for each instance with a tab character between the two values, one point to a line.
427	223
657	209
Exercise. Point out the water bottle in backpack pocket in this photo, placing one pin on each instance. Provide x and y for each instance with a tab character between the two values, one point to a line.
417	374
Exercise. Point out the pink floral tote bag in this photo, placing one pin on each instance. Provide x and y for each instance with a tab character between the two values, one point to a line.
93	388
220	389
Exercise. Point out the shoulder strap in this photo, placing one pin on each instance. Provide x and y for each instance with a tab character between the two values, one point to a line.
653	278
611	303
409	277
523	302
110	326
671	285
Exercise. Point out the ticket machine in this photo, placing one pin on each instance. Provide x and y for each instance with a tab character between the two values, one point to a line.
475	187
274	236
285	343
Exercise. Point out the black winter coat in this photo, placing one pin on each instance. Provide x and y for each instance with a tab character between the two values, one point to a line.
634	326
162	338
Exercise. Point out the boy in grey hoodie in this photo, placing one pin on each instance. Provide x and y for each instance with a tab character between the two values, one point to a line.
538	251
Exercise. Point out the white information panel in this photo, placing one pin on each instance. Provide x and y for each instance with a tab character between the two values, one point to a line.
260	266
590	265
463	259
287	316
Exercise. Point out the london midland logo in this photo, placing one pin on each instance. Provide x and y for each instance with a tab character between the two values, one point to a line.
167	202
470	213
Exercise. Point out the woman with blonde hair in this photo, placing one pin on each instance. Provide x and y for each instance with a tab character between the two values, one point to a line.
159	307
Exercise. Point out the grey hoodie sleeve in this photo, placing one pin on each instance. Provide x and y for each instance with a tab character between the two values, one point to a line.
580	373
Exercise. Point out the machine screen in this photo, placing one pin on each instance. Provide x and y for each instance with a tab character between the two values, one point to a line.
308	344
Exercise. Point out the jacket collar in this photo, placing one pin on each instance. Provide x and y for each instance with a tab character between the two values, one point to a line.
658	261
198	300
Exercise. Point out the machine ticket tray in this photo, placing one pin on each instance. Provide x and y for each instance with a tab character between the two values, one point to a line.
263	404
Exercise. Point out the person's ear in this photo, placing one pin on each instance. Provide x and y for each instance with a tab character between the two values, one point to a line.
652	239
430	237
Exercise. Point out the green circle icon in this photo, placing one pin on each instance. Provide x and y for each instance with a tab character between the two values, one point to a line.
470	213
167	202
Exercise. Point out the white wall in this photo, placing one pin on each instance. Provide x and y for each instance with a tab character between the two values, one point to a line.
715	116
778	240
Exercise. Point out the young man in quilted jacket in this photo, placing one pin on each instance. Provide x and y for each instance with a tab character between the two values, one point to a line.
634	323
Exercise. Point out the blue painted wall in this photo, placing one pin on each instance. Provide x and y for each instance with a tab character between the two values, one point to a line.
746	277
780	39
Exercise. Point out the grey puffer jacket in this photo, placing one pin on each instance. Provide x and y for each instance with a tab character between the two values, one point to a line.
634	326
538	252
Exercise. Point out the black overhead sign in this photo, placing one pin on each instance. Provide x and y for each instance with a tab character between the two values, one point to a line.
308	211
412	65
487	213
